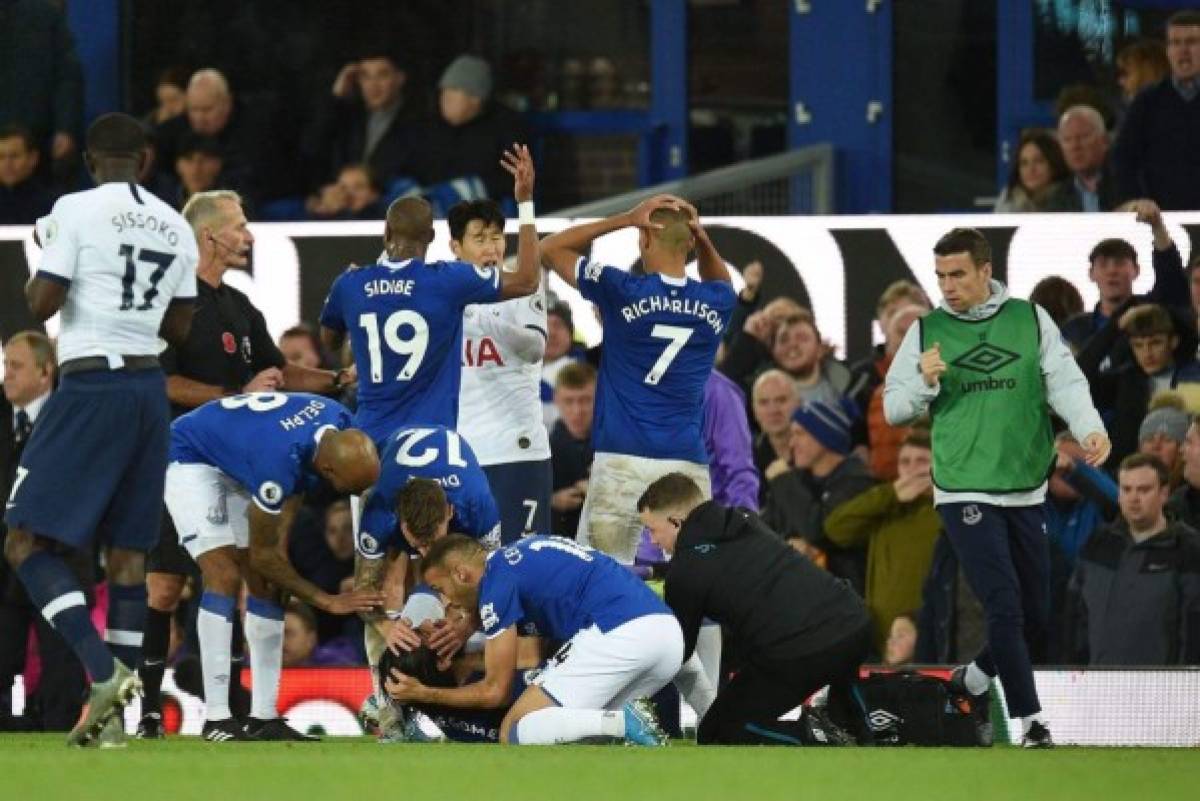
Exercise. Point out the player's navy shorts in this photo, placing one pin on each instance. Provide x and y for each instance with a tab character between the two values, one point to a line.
522	492
97	460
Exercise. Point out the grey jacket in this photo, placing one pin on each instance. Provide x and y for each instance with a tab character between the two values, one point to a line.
906	397
1136	603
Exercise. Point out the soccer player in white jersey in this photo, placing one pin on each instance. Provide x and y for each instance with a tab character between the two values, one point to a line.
120	266
661	332
499	402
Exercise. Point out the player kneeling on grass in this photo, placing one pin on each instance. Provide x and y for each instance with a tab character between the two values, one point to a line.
621	641
798	628
238	469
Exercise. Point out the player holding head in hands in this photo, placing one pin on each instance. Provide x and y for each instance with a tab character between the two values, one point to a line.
404	315
988	369
621	641
661	332
239	467
121	267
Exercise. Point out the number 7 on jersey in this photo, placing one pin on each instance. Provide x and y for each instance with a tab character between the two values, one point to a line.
676	336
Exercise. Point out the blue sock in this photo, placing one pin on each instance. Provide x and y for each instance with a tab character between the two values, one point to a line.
126	616
53	589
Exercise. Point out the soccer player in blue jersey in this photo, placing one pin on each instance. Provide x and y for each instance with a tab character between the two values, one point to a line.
238	468
120	266
621	641
404	315
661	332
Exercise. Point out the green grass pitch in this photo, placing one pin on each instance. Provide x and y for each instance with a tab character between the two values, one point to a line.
40	768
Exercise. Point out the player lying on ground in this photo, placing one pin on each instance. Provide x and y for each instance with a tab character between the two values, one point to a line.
621	642
238	470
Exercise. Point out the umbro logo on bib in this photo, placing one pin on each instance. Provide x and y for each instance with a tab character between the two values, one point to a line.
985	358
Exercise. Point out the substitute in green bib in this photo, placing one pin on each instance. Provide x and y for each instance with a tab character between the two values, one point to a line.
988	369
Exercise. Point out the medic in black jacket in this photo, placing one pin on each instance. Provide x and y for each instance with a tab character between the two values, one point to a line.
798	628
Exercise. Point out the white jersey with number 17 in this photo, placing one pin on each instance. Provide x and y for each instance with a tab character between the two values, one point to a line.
124	256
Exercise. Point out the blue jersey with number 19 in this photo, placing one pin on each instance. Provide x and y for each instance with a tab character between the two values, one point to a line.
561	587
404	319
660	341
265	441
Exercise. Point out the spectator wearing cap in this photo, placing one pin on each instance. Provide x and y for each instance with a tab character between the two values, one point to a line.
365	120
1123	396
198	165
824	475
1113	268
1134	599
1156	154
1162	433
898	525
23	196
464	141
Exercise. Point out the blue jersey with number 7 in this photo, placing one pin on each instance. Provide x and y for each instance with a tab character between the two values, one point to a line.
660	341
404	320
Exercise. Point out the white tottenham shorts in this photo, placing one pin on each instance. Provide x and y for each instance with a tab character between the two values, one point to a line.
208	508
609	520
596	670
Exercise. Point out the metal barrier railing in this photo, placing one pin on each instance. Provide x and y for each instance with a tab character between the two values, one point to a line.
797	182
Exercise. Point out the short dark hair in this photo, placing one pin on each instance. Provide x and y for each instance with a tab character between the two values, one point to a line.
918	437
1058	296
465	212
670	492
1149	320
965	240
14	130
175	75
373	179
421	506
306	331
1138	460
420	663
450	545
116	134
1187	18
1113	248
575	375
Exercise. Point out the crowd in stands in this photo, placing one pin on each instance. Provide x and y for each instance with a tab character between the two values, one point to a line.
843	487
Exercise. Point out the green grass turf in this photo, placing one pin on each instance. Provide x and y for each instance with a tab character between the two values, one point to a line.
40	768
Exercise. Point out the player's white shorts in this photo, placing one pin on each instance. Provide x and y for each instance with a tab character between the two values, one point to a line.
609	519
595	670
208	508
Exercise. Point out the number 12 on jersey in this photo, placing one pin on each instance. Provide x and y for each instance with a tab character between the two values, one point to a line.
413	347
676	336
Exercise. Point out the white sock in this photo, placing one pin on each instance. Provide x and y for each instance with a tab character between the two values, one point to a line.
693	684
1029	720
708	648
215	633
976	680
265	636
554	725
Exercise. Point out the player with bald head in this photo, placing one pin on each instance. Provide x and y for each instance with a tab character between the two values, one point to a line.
239	467
661	332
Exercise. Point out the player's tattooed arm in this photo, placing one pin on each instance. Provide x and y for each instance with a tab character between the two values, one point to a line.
369	575
268	559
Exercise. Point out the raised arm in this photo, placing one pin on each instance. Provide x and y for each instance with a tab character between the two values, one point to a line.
562	251
708	261
527	278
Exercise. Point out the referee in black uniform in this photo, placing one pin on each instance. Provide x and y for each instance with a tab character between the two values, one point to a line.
229	351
